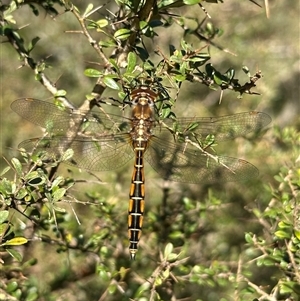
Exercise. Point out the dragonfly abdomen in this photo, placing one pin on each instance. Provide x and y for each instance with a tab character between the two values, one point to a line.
136	202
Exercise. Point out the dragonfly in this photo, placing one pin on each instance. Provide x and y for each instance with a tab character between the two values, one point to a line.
102	142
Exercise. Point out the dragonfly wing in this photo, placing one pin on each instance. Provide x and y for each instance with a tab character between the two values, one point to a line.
60	121
222	128
111	152
175	163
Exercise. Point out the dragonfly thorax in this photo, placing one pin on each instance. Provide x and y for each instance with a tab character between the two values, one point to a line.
141	125
143	100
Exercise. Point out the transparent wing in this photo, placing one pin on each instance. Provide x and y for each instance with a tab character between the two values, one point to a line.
175	163
99	144
111	152
48	116
59	121
223	128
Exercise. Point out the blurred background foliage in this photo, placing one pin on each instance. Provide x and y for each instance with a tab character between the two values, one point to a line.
64	235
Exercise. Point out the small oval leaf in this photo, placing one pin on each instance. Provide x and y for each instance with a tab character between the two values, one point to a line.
88	9
168	250
3	216
57	181
5	170
16	241
60	93
12	286
58	194
122	34
21	193
17	165
131	62
102	23
191	2
15	254
68	154
111	83
297	234
92	73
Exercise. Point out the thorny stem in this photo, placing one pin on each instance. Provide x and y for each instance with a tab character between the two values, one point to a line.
259	290
292	259
93	42
158	273
99	87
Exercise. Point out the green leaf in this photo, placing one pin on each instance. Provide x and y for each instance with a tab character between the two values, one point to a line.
88	9
32	294
104	276
168	250
57	181
284	225
166	274
111	83
142	289
3	216
12	7
58	194
16	241
246	70
282	234
102	23
15	254
5	170
191	2
179	77
172	3
9	19
296	288
112	288
22	193
6	187
12	286
17	165
107	43
60	93
92	72
131	62
34	178
144	26
5	229
114	64
59	209
268	261
122	34
68	154
33	43
286	287
230	73
218	80
176	235
248	238
297	234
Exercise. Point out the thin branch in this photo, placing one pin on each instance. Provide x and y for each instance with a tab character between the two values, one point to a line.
92	41
260	291
292	259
